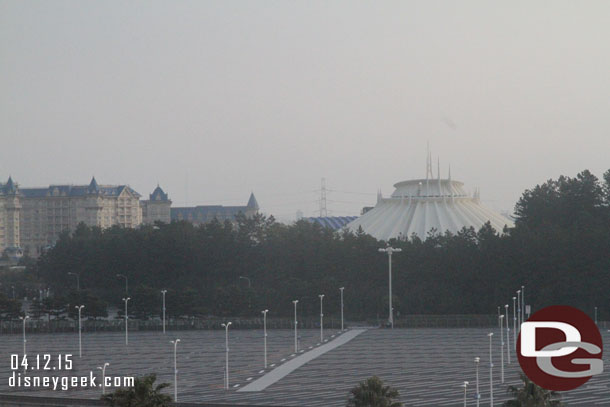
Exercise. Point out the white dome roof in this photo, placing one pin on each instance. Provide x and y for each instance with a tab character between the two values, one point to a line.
418	206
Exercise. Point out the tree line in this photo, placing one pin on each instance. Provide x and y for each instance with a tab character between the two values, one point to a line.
559	249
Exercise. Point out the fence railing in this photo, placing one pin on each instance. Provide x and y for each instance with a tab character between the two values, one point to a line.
183	324
177	324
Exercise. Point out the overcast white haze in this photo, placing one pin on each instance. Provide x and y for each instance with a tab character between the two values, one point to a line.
215	99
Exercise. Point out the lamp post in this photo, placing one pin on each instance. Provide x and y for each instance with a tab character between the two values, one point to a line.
24	318
507	335
595	315
389	250
477	360
522	304
465	386
265	333
103	369
175	343
519	321
226	327
80	342
501	348
321	318
126	321
125	277
514	323
491	365
341	289
163	292
77	279
296	345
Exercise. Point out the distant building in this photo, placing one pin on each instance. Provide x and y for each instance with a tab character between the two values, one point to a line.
333	222
47	212
421	205
157	208
9	216
32	219
206	213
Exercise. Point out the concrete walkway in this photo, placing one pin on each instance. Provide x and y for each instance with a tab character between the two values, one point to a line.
282	371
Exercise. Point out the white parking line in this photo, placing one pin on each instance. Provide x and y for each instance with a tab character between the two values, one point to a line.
282	371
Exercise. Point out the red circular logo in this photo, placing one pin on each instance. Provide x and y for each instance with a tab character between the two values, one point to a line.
560	348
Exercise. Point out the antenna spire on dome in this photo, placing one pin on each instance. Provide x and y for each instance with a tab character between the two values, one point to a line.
438	167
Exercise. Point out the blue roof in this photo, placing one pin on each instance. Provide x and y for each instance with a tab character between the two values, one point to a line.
158	195
9	188
252	203
333	222
76	190
205	212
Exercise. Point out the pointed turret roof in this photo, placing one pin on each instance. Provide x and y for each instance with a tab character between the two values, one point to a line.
10	184
93	187
10	187
158	195
252	202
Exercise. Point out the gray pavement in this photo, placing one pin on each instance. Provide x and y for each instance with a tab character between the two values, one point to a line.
427	366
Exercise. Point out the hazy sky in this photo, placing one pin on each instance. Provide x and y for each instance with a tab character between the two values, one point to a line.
214	99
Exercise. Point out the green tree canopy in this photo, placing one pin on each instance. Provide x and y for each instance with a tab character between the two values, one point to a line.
373	393
561	235
144	393
532	395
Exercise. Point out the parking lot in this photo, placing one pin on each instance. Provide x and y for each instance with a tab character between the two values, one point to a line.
427	366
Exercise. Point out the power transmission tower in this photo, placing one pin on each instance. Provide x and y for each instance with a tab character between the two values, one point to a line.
323	211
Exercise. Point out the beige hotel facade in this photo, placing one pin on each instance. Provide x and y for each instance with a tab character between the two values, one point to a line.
32	219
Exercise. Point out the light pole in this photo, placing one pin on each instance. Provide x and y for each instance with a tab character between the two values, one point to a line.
465	386
491	365
175	343
296	346
77	279
507	335
24	318
519	321
103	369
477	360
514	323
522	304
163	292
321	318
265	333
501	348
226	327
126	321
389	250
80	342
341	289
125	277
595	315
